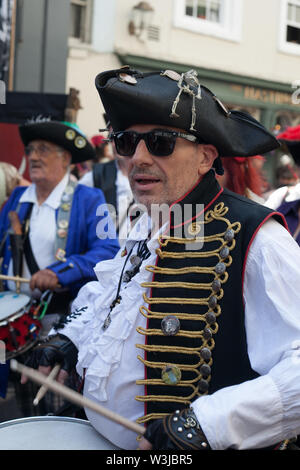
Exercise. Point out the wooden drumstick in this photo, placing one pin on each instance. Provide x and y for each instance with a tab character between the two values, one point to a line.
14	278
74	397
43	390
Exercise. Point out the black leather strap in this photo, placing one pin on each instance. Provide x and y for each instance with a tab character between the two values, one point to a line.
180	430
29	256
104	177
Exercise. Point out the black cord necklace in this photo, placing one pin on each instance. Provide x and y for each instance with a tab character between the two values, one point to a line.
136	261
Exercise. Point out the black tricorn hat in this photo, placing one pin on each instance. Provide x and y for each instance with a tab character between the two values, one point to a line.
178	100
66	135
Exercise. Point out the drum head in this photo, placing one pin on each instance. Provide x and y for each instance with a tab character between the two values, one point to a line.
11	302
51	433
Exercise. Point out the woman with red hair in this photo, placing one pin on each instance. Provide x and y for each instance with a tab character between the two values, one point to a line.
243	176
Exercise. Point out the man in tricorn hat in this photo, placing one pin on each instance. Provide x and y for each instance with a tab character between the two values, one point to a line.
61	243
48	231
191	330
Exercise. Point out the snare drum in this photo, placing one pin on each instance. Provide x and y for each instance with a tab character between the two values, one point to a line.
51	433
18	327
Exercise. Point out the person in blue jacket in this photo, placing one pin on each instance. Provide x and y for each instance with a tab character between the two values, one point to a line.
50	231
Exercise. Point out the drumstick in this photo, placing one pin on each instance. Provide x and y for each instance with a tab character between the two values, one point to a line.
74	397
14	278
43	390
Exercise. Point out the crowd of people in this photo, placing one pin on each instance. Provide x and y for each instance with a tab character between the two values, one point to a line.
184	320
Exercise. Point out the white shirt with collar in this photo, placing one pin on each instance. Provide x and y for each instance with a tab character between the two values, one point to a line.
253	414
42	232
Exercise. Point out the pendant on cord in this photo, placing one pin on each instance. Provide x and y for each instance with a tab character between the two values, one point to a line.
136	262
107	320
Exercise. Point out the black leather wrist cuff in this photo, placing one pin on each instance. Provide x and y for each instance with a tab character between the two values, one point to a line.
180	430
185	431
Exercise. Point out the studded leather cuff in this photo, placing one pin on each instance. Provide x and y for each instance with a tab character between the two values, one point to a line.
181	430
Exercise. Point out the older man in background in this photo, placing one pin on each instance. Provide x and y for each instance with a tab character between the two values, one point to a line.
48	231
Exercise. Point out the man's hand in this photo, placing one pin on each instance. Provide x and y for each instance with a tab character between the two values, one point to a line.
61	377
56	349
43	280
145	445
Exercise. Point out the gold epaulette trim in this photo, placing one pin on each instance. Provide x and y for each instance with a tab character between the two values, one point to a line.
226	243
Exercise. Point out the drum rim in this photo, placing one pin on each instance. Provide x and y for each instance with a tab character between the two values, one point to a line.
14	316
21	350
29	419
63	419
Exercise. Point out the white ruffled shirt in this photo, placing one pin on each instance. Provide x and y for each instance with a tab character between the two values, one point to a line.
253	414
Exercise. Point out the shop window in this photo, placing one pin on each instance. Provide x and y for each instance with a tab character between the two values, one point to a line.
80	20
220	18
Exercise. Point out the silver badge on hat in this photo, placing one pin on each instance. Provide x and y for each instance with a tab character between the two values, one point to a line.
70	134
187	83
171	74
126	78
80	142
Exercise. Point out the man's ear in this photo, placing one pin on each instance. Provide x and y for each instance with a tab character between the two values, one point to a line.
208	155
67	158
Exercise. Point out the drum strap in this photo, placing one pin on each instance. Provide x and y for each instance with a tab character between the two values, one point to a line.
29	256
62	222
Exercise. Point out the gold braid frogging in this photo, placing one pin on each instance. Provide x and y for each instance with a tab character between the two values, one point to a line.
217	213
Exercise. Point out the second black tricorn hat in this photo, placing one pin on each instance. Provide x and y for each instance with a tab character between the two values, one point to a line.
178	100
65	134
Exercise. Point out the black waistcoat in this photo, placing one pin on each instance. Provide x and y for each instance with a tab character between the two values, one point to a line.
198	280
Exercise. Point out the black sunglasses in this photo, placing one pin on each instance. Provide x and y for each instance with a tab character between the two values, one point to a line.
159	142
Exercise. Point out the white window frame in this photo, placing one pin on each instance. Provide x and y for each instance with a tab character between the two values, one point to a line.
86	36
283	44
230	28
